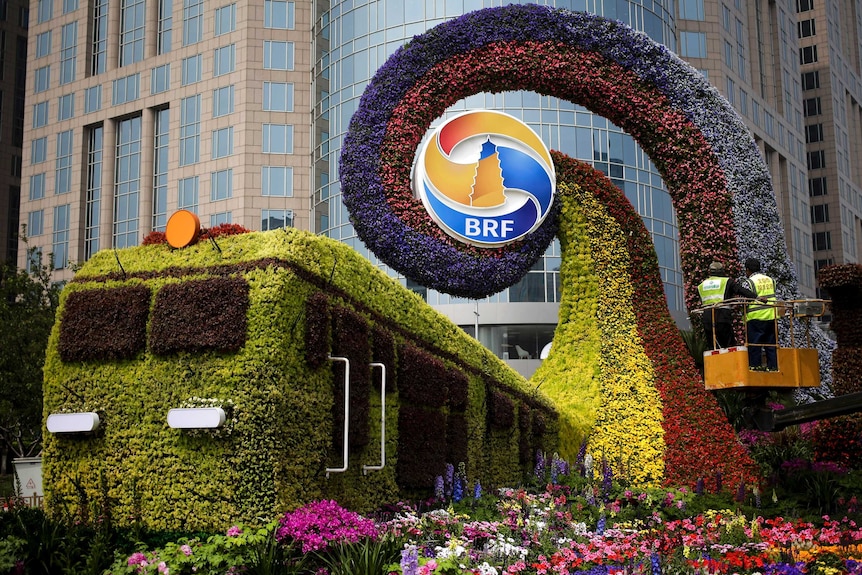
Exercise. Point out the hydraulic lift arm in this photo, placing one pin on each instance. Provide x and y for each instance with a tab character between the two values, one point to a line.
776	420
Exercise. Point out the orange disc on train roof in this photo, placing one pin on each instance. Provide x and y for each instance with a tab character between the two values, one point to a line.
183	229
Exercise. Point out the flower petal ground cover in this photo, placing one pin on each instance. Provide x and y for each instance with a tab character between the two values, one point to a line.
578	527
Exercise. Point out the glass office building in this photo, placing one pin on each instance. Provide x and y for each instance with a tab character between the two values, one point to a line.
236	110
356	37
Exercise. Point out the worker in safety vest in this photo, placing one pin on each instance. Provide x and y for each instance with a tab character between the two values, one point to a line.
718	320
760	320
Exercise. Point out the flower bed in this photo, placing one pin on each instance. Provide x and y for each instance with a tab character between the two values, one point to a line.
599	529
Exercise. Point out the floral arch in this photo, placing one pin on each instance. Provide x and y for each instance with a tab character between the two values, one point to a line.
717	179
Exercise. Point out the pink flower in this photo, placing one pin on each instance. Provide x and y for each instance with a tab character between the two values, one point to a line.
187	551
138	559
234	531
163	568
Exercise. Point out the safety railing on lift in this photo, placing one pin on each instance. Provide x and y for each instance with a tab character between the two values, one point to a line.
796	310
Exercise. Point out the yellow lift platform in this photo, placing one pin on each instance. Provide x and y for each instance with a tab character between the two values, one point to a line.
728	368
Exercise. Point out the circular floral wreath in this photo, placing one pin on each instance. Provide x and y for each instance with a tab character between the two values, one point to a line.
714	172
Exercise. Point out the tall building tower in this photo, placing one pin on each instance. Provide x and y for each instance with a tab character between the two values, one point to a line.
831	72
136	109
749	51
14	15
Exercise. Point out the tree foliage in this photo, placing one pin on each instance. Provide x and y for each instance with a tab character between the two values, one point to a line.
28	300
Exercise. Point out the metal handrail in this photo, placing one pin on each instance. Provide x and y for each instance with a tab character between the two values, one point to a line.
367	468
343	468
795	309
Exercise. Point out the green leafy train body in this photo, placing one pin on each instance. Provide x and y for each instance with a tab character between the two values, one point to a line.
249	325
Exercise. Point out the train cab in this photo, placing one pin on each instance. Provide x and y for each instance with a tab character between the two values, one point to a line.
797	365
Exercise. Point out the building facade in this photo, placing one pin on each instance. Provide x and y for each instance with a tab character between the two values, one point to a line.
829	56
237	110
14	16
139	108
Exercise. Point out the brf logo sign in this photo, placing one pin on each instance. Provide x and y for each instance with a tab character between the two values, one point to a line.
485	177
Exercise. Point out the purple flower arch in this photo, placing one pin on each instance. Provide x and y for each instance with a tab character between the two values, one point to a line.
718	181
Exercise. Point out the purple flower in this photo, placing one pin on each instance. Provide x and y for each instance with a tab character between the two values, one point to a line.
450	479
439	488
410	560
234	531
539	470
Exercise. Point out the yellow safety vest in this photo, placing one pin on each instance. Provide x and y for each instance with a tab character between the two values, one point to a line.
763	285
712	290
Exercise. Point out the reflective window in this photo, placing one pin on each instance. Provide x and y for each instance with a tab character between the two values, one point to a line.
193	21
66	107
278	96
127	182
223	101
190	130
160	169
691	9
224	60
40	114
60	239
42	79
275	219
94	191
225	19
69	6
222	143
38	150
192	69
93	99
43	44
63	172
166	22
100	37
68	52
161	79
221	185
35	223
188	194
277	55
126	89
132	20
277	139
692	44
278	14
37	186
220	218
277	181
44	10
